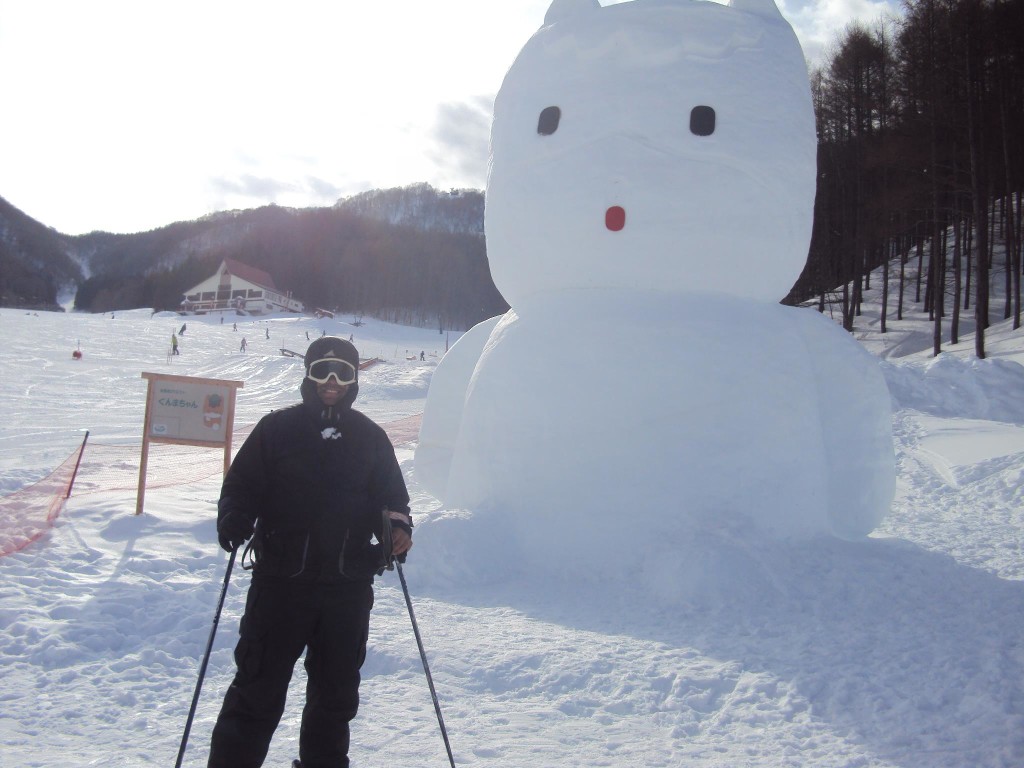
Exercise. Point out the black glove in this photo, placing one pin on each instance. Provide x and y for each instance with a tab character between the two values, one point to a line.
233	529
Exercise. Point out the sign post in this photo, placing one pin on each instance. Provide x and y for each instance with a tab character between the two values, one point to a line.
184	410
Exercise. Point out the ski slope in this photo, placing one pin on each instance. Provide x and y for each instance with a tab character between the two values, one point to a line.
899	651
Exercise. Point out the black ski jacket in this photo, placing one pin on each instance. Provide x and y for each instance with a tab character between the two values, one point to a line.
315	481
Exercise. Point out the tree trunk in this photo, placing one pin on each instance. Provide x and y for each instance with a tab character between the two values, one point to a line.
954	326
980	204
904	253
885	292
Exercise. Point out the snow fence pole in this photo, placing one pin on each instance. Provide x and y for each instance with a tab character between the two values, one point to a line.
206	660
78	463
423	658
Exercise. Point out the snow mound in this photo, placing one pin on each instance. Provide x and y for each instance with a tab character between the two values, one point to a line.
950	386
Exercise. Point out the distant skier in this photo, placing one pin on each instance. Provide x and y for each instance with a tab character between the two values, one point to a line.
174	344
242	347
268	331
181	331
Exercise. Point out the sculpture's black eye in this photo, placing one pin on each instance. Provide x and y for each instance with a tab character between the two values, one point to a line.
702	121
548	122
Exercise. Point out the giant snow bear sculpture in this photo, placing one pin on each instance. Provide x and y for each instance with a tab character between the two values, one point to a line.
649	201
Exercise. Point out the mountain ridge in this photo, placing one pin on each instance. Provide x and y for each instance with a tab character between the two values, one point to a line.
385	242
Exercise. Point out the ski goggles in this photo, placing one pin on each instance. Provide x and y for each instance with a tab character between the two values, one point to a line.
322	370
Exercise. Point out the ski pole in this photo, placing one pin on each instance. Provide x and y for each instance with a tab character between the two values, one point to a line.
423	658
206	660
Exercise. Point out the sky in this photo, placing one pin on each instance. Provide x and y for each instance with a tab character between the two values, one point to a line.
126	116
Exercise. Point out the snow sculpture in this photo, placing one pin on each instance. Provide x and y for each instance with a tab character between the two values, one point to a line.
649	201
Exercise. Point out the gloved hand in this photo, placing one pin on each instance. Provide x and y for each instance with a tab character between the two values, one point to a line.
397	536
233	529
400	547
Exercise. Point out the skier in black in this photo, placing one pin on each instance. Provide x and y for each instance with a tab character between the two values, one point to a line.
311	485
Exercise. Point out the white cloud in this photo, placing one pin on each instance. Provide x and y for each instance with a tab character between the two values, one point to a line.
461	133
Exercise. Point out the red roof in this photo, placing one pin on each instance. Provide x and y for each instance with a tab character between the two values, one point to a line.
251	274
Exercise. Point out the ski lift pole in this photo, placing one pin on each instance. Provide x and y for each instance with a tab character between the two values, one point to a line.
206	660
423	658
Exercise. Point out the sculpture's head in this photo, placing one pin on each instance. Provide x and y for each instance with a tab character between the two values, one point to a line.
654	144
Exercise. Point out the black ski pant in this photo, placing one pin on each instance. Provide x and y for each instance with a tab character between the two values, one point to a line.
281	619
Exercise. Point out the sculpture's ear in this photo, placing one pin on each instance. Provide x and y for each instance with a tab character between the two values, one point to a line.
766	8
561	9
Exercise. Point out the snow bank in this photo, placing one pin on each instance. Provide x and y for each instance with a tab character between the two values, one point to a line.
969	388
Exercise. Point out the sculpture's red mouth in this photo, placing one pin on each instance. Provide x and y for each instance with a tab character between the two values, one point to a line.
615	218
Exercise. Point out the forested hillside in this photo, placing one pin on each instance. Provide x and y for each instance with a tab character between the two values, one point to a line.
457	211
414	255
920	120
34	261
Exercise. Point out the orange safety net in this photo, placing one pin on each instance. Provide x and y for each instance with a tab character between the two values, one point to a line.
28	513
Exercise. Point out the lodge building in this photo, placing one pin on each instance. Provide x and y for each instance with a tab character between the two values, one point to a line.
240	289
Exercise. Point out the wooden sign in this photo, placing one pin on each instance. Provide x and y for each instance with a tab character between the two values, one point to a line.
186	410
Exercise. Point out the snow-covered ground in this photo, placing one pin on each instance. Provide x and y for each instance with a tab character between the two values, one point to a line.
901	650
